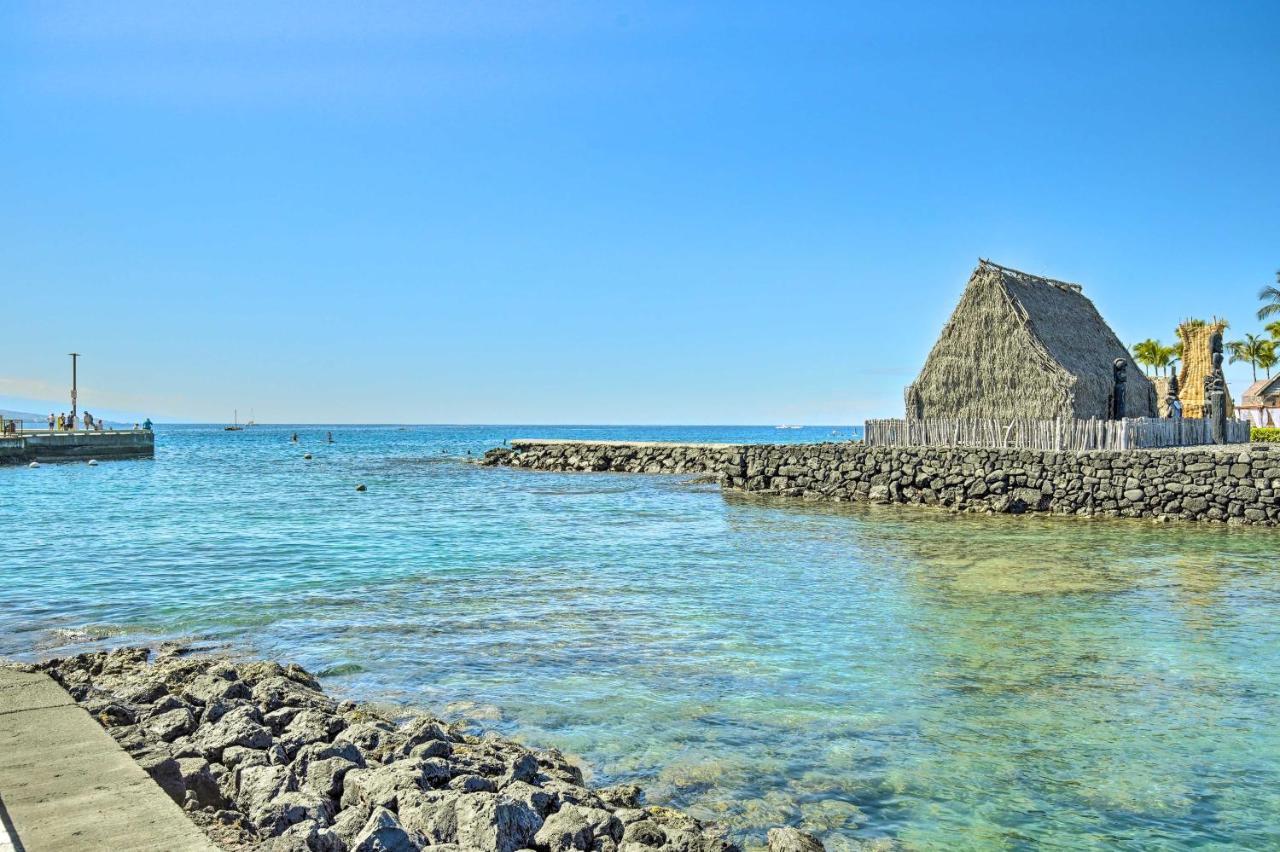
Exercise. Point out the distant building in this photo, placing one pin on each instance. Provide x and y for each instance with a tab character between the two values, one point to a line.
1019	345
1261	403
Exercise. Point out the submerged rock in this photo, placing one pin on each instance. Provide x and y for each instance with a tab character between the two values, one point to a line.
792	840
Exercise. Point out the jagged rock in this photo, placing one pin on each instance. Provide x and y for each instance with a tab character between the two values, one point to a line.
539	800
324	776
257	786
421	731
278	720
492	822
384	833
237	728
432	814
147	691
553	763
169	726
310	726
239	756
620	796
577	827
792	840
199	781
206	687
289	808
376	739
521	768
215	709
434	748
378	787
472	784
575	794
168	775
350	821
308	836
644	832
275	691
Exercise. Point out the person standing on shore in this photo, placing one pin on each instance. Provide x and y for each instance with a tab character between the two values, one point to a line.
50	421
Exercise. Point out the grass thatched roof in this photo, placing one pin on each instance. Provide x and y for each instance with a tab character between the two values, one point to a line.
1197	363
1020	345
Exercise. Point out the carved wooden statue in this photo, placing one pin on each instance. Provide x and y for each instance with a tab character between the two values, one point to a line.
1215	393
1173	405
1117	396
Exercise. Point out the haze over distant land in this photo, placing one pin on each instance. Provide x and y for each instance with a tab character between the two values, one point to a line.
622	213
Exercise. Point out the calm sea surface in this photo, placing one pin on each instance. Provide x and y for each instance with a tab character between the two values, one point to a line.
863	672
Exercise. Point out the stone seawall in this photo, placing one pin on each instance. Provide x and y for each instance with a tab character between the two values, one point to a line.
617	456
1235	486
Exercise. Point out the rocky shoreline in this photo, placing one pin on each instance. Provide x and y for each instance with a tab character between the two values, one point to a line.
261	759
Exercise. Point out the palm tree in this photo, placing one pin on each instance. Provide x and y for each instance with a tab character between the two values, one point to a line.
1169	355
1270	295
1147	352
1248	350
1273	329
1267	356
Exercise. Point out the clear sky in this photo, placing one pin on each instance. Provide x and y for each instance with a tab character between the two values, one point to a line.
604	212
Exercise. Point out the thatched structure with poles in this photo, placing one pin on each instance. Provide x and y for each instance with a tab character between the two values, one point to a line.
1022	346
1197	364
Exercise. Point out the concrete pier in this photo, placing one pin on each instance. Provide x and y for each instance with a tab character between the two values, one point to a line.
43	447
66	785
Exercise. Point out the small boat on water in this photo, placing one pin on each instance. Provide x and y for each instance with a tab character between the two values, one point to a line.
235	427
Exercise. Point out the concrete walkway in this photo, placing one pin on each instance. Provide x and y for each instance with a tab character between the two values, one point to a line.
65	785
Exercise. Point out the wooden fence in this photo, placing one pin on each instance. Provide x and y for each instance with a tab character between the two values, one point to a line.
1061	434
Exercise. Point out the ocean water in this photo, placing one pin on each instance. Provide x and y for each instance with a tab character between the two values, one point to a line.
886	674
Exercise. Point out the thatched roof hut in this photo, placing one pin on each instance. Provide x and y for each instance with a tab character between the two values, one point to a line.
1197	363
1261	402
1019	345
1263	392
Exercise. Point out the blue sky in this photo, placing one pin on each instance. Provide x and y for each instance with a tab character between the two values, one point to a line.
599	212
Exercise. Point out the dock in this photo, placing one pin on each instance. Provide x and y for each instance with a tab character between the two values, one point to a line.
79	445
66	785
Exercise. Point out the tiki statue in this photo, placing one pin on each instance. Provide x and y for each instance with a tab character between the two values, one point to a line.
1173	405
1215	393
1118	380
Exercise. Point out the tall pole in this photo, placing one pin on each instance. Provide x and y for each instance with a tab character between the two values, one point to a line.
74	357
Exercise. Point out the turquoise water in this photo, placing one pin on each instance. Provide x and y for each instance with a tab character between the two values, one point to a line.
865	672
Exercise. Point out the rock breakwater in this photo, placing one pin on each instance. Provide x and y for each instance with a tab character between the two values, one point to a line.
1238	485
262	759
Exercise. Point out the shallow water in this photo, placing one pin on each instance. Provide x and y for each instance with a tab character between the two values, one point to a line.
863	672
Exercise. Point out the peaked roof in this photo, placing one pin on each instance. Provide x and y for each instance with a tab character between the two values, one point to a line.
1259	390
1065	322
1024	345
